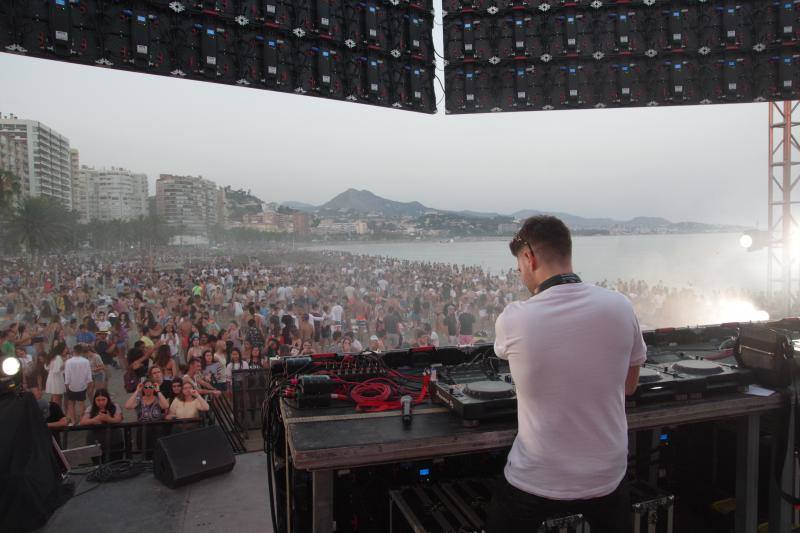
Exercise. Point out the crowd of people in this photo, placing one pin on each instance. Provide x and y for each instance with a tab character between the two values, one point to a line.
173	325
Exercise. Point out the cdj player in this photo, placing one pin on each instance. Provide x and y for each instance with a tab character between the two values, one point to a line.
477	392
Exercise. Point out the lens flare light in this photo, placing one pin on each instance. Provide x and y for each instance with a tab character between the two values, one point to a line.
737	310
11	366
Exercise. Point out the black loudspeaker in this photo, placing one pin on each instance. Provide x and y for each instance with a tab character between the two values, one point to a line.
191	456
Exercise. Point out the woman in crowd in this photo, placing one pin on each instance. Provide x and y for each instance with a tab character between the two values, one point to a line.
55	373
188	404
272	347
150	406
98	372
164	360
147	400
308	348
195	348
70	332
220	352
235	364
101	412
173	340
255	360
213	371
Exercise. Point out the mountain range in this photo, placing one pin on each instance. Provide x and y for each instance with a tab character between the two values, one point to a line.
363	202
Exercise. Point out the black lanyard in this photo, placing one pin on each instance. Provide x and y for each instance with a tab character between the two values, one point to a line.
558	279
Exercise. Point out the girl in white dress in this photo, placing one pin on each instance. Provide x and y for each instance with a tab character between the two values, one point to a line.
55	372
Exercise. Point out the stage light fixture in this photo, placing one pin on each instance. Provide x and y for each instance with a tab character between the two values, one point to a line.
746	241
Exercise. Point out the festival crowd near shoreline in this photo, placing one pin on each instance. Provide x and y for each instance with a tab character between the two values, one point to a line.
179	321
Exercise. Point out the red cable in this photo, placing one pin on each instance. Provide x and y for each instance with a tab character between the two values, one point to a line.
375	405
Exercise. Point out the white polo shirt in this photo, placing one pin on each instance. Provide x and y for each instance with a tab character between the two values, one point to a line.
570	348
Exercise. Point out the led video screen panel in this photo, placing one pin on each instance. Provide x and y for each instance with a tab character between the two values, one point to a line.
525	55
377	52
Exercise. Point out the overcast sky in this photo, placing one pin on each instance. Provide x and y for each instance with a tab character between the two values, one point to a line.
705	164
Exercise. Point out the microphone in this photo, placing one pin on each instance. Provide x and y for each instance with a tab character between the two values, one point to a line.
406	402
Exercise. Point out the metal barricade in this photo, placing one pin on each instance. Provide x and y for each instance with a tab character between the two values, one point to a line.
249	387
126	440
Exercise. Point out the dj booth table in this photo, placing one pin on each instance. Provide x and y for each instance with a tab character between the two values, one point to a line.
324	440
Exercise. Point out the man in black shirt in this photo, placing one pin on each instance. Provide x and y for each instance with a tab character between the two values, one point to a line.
392	321
451	321
51	411
466	322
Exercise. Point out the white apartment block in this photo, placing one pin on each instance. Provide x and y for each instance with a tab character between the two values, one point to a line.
80	188
115	193
192	204
48	158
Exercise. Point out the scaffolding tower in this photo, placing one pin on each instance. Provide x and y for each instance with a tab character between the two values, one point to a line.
783	263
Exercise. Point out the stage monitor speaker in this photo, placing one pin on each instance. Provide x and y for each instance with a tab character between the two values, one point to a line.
191	456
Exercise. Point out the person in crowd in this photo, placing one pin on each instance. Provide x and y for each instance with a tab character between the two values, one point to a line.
375	344
77	377
52	413
188	404
85	335
156	375
307	348
220	352
254	335
256	358
55	386
164	360
194	375
148	402
138	360
354	342
99	374
272	347
213	372
195	350
35	373
235	364
101	412
451	322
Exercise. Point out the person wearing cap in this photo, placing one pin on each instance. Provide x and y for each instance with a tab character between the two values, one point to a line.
375	344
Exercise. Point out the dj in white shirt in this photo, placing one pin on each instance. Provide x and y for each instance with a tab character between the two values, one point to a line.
574	350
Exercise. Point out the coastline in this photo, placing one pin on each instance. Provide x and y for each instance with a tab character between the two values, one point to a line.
319	244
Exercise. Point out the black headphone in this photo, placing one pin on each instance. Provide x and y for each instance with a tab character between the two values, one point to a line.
558	279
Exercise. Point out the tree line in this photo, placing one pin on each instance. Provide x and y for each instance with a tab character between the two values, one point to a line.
42	225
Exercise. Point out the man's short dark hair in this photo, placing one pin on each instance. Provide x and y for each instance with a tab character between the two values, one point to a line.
547	236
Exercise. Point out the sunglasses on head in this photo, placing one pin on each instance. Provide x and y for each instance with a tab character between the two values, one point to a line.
517	242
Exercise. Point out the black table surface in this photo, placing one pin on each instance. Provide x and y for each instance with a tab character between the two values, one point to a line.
338	437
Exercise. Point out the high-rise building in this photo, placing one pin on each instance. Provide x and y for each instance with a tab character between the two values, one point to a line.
80	188
115	194
48	158
190	204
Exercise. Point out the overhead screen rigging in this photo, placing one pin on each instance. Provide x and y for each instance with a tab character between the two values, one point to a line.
527	55
377	52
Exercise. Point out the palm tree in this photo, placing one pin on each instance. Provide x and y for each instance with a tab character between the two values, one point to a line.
41	224
9	190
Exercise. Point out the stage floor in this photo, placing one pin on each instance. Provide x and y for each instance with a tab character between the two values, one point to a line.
236	501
